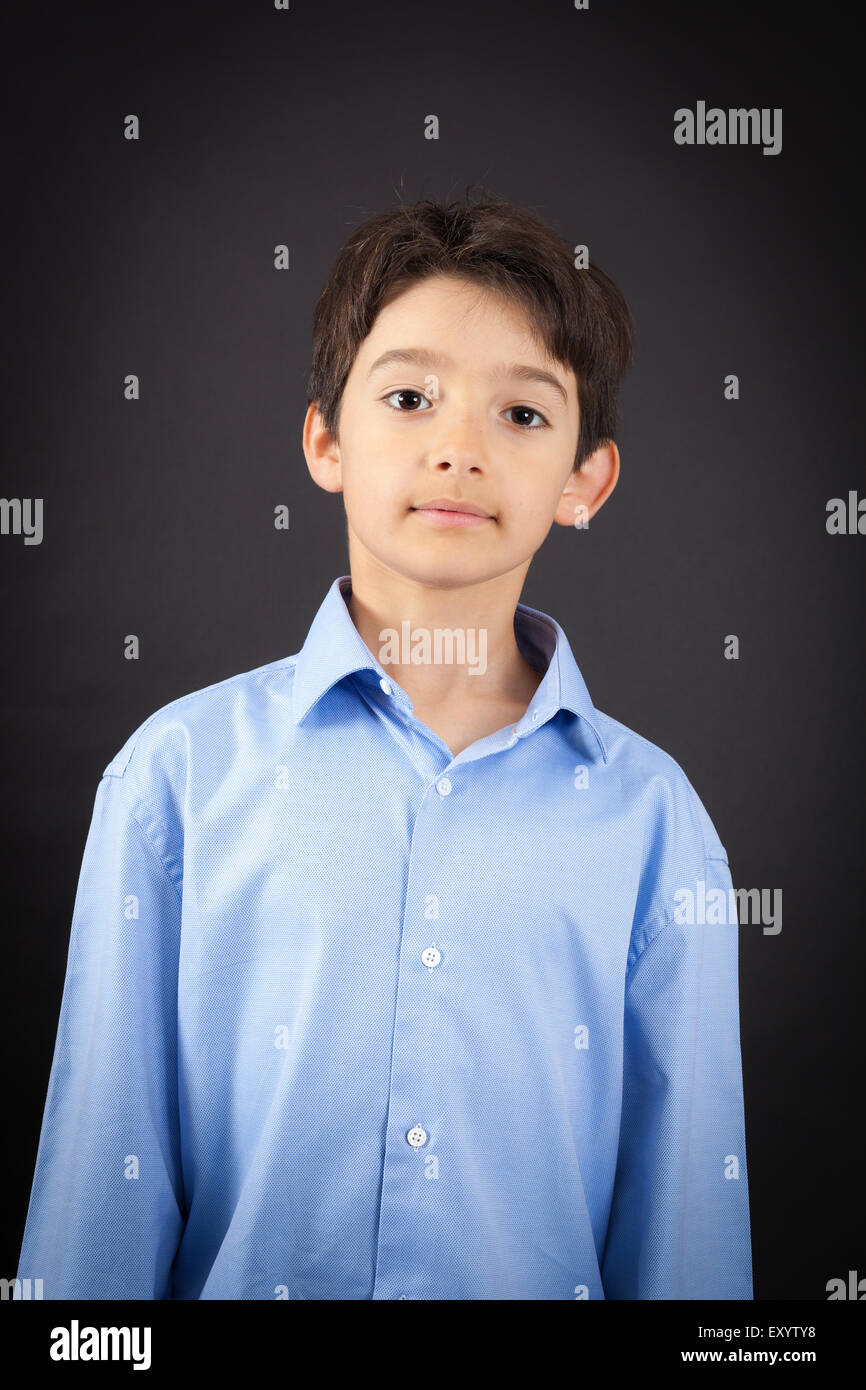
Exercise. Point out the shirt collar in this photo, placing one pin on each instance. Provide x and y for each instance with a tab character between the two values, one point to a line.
334	649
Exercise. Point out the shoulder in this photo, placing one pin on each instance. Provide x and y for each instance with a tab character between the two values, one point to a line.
164	739
650	774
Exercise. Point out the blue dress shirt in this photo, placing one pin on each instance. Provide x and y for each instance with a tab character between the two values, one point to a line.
346	1017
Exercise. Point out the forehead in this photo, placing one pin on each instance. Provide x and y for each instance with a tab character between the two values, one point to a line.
454	322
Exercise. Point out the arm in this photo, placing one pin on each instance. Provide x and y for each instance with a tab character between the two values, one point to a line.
679	1223
106	1206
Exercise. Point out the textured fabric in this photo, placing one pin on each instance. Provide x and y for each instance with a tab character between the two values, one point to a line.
346	1017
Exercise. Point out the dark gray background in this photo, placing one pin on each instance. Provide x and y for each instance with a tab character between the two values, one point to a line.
155	257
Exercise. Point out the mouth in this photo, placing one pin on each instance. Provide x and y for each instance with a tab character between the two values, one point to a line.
445	511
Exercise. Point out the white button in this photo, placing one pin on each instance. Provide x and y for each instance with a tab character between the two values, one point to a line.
417	1136
431	957
443	786
386	686
536	715
514	731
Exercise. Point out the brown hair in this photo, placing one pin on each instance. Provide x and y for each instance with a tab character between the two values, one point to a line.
579	316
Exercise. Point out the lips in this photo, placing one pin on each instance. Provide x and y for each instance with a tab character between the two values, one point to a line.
448	504
444	513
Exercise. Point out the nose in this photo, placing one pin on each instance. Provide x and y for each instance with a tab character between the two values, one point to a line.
459	450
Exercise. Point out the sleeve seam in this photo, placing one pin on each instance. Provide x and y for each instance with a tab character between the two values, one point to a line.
664	921
152	848
696	807
693	797
665	918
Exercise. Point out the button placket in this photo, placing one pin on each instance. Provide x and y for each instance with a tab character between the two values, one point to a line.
415	1084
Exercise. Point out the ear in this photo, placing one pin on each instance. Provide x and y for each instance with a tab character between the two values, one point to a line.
321	451
589	486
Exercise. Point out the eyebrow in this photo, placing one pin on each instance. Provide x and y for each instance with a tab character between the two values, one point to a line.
426	357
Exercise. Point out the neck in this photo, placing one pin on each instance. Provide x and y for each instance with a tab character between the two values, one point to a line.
444	645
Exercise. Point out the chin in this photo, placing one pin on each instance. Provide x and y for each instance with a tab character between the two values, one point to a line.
446	571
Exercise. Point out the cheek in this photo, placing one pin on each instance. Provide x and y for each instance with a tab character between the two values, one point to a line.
532	507
371	491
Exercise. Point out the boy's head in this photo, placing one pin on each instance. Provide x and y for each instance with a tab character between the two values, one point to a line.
512	407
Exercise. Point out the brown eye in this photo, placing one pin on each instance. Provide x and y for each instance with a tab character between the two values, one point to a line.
406	391
528	410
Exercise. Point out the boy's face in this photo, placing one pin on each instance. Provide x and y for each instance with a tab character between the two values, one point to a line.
463	424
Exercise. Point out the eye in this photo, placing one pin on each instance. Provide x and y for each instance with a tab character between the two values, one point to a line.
406	391
530	410
409	391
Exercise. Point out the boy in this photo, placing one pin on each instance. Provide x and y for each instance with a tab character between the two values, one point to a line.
376	987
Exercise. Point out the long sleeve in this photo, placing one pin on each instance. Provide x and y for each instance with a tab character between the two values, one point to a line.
106	1205
679	1223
